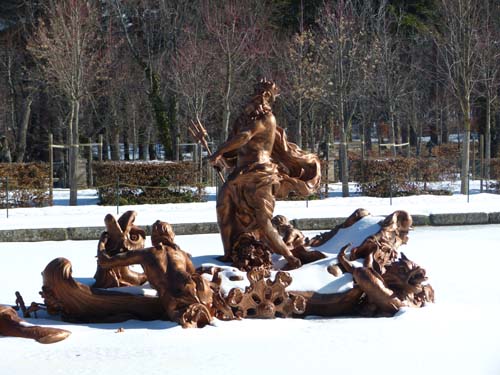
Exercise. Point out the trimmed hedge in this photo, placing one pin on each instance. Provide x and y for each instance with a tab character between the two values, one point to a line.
28	184
148	182
405	176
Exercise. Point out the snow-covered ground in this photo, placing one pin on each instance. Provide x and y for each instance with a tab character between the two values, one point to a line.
459	334
88	213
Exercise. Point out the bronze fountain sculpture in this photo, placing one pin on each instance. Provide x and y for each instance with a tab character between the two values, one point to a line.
262	166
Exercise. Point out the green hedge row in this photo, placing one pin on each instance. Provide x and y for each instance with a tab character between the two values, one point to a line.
27	184
148	182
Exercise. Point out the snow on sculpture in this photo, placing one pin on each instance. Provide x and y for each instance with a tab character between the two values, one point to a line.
379	284
360	272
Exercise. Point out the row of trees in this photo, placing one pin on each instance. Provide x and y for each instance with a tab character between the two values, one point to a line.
137	71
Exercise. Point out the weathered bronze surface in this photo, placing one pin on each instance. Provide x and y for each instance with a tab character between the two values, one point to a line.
385	283
262	165
185	296
12	325
266	299
79	303
295	240
120	236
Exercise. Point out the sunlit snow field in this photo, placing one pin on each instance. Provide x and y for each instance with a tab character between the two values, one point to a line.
459	334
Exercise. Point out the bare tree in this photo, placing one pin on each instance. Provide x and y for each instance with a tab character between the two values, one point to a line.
65	43
238	30
192	72
457	40
392	72
342	43
18	90
489	69
151	29
304	84
8	97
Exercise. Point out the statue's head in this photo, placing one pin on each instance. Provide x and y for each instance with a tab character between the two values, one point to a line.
279	220
162	232
281	223
404	275
267	88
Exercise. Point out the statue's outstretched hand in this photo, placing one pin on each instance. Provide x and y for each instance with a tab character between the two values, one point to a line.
218	161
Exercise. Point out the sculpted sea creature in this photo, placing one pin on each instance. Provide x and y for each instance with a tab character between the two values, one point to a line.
400	285
120	236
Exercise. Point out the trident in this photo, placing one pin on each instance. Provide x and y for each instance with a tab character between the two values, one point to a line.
200	135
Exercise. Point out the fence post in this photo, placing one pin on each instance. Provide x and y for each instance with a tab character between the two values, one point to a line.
100	147
51	169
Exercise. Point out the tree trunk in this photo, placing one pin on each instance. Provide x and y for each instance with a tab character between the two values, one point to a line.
173	110
367	132
115	145
23	132
419	140
495	134
13	112
298	138
160	112
143	140
154	94
73	153
412	128
393	129
126	147
227	100
444	125
152	152
344	161
143	151
105	147
487	137
312	130
464	172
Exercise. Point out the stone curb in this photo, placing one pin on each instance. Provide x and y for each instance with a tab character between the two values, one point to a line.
470	218
93	233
